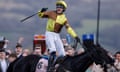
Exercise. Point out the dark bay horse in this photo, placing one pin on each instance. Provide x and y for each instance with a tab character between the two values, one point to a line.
80	63
77	63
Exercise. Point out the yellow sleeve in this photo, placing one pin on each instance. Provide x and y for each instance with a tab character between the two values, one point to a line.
40	14
71	32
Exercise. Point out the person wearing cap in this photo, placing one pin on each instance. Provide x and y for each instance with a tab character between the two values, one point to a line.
18	50
3	61
56	21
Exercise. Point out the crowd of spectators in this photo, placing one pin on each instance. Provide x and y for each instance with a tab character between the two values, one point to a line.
8	58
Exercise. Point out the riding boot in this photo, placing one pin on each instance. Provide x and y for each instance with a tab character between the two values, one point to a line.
51	60
59	60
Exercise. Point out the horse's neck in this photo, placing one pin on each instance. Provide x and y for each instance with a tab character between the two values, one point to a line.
83	62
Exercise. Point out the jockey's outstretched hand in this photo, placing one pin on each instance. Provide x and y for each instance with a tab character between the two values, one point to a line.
43	10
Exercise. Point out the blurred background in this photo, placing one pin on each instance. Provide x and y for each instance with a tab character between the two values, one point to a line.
82	15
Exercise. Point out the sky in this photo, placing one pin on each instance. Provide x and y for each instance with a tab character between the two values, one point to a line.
82	15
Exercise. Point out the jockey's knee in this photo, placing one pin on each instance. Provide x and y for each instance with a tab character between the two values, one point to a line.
53	53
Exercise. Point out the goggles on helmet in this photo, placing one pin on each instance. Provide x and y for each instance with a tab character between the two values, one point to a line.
60	6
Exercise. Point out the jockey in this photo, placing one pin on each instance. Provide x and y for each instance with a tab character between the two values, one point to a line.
56	21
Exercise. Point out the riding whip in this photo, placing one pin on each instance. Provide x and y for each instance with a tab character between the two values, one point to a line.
42	10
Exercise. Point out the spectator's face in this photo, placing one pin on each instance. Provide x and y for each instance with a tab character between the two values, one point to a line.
2	55
64	42
70	52
11	59
26	52
18	50
118	57
37	52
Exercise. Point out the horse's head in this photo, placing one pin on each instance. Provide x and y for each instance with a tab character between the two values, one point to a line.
100	56
104	56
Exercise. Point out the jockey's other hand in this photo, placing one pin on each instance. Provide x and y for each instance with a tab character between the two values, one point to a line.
77	39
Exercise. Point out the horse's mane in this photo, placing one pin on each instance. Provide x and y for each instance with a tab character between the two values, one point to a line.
77	63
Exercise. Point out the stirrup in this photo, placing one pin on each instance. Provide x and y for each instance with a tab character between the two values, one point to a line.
51	61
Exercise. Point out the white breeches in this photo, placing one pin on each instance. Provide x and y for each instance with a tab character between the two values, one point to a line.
54	43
